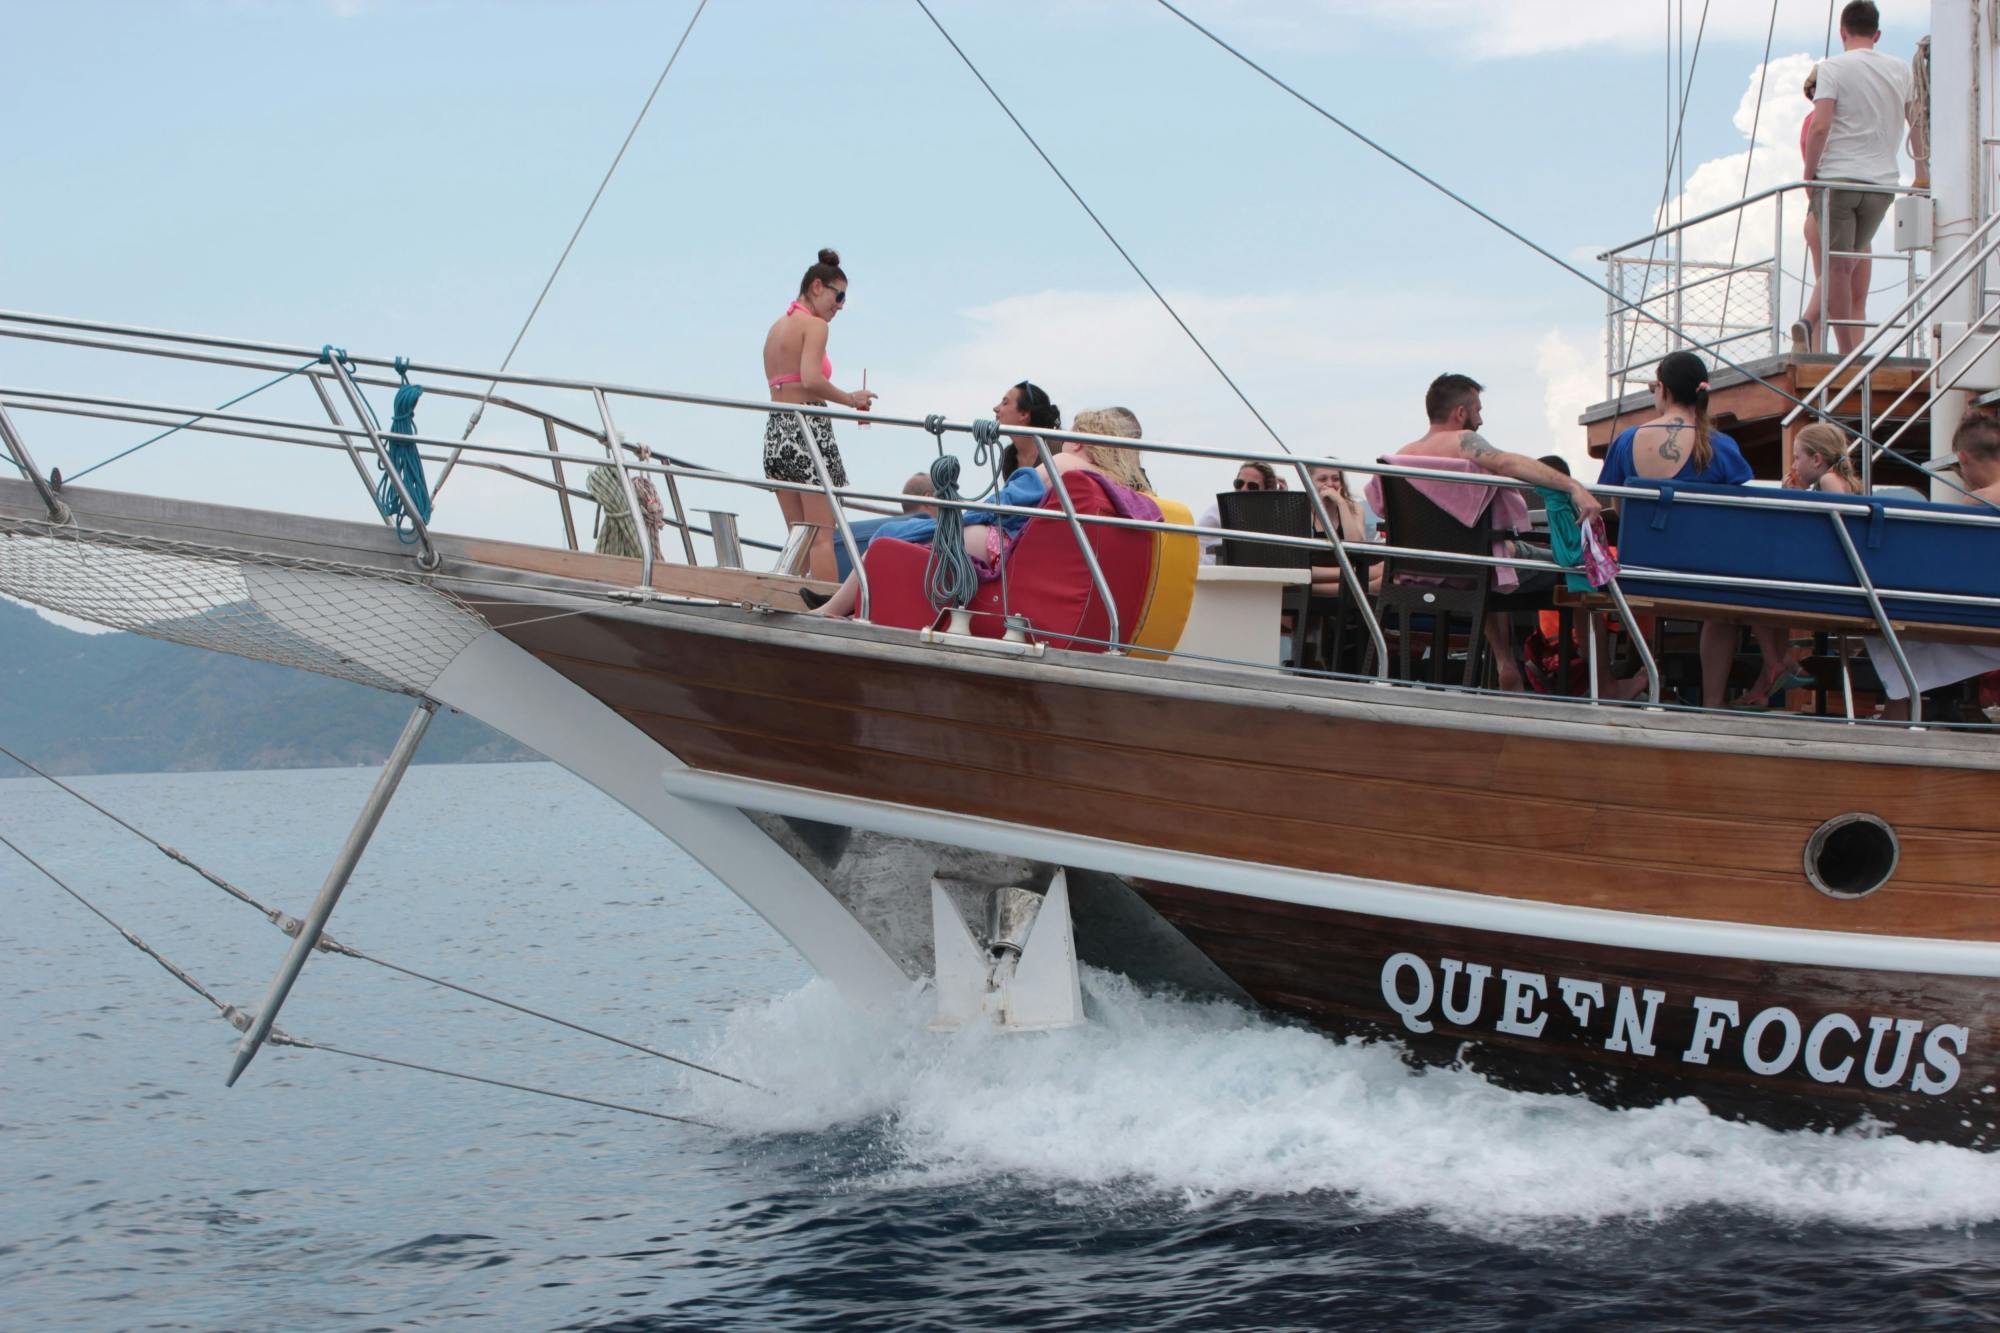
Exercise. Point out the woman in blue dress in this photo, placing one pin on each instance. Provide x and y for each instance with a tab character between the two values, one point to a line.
1678	445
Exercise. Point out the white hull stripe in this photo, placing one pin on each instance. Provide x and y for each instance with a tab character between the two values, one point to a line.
1371	897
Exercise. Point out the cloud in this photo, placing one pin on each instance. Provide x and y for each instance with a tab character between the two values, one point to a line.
1772	159
1483	28
1572	379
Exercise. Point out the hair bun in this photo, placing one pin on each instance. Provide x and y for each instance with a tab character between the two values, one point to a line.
830	256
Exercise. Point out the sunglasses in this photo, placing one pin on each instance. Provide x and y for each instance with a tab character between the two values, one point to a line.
840	296
1243	485
1029	393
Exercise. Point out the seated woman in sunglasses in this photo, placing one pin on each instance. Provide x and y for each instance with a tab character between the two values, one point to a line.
1249	477
799	371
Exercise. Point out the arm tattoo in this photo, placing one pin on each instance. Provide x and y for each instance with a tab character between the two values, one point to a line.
1474	447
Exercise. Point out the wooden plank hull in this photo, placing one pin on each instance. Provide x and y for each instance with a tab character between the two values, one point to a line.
1785	1045
1577	817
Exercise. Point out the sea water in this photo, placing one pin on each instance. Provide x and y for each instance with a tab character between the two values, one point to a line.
1174	1164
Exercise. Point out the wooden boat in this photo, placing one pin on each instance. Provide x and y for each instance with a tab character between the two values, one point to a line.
1796	921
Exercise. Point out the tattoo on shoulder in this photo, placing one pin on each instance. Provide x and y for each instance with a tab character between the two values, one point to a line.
1474	446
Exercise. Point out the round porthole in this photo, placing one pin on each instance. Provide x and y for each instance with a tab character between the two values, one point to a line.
1851	856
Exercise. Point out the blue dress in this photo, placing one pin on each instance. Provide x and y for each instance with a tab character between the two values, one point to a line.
1725	467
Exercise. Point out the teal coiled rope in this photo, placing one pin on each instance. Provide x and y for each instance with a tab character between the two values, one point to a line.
403	455
950	580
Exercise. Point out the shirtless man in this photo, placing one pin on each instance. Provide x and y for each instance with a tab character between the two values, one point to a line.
1453	406
1977	444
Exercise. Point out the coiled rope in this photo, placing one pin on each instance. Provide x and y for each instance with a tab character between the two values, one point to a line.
950	580
404	458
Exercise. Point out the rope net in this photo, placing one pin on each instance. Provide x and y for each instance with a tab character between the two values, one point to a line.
389	631
1686	301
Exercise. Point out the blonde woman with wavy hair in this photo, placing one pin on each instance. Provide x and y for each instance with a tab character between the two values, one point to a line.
1819	461
1119	464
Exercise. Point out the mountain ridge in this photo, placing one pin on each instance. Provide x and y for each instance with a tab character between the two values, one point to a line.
76	703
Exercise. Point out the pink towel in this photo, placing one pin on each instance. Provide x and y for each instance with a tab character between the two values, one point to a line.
1463	502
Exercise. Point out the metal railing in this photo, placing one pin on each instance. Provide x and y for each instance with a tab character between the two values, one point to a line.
1662	301
552	426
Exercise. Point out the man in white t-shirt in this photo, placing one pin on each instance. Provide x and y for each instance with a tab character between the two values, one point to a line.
1860	106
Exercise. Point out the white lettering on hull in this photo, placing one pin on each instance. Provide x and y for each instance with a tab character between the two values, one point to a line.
1775	1041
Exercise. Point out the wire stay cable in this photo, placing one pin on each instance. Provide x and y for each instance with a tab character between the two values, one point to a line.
1123	253
239	1019
480	410
327	944
1673	150
303	1044
1749	160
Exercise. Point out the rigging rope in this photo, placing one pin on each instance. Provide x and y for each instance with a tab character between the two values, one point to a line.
1756	118
240	1020
1673	157
1123	253
291	926
479	410
105	462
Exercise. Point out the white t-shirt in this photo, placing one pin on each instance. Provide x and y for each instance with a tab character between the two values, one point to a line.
1869	91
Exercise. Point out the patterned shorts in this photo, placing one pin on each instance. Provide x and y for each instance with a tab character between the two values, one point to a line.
786	457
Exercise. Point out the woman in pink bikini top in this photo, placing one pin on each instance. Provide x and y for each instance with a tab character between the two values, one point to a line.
798	371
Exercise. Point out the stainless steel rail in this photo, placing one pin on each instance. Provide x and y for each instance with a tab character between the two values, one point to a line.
1621	360
642	531
839	519
1867	586
1964	258
17	449
1347	575
335	433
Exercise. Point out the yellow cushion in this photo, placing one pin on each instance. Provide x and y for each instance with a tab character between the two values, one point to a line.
1176	557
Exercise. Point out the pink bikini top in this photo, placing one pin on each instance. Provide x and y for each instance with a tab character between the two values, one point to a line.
825	362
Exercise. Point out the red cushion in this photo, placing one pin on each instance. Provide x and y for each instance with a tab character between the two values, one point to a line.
1047	579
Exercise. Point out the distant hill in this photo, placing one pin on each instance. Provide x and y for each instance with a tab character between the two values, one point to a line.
122	703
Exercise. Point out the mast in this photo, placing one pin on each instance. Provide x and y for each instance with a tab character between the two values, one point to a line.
1961	53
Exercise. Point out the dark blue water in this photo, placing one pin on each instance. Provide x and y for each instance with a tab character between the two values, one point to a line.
1173	1165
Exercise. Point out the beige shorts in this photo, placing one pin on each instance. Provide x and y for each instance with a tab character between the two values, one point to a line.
1853	216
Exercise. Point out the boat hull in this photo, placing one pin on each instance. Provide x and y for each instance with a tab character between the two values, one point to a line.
1785	1044
1622	916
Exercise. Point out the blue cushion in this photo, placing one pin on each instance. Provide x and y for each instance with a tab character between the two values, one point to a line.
1897	548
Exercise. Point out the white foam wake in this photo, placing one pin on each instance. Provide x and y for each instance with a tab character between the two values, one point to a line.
1200	1100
